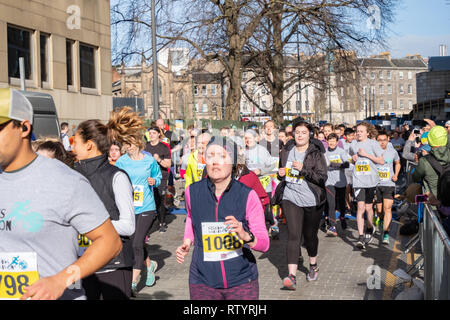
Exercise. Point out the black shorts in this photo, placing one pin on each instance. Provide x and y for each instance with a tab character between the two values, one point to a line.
364	194
387	193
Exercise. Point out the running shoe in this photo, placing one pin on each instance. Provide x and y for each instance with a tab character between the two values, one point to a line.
386	237
332	232
343	223
151	273
134	289
313	273
368	236
290	282
361	243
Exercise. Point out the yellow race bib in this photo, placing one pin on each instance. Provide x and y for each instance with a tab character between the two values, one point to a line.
218	244
17	271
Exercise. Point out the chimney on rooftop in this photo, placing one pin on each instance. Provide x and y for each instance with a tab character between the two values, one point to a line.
443	50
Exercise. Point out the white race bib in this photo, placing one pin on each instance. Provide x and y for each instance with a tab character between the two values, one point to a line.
138	195
292	175
384	174
17	271
218	243
362	167
200	168
335	158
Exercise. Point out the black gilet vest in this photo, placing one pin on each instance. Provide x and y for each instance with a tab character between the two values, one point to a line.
100	174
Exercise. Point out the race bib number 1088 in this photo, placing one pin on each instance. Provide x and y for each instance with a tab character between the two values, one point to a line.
218	243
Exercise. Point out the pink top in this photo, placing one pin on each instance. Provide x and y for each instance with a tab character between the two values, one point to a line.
254	215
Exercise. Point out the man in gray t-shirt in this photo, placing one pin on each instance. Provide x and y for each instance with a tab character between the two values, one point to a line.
43	206
365	173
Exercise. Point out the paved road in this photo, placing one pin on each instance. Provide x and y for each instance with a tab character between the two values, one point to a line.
343	268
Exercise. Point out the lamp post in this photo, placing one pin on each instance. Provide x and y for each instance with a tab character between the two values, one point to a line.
155	94
330	59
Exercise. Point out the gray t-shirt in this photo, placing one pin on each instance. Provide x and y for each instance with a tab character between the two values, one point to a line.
297	190
43	208
386	171
365	173
336	177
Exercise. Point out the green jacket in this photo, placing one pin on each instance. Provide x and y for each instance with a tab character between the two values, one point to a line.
425	172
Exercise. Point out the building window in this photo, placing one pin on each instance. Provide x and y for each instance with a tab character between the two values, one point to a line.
87	66
44	39
389	89
380	74
410	89
410	104
213	90
381	104
244	75
204	90
389	75
342	105
263	90
195	90
372	89
244	106
402	89
390	104
264	105
364	90
402	104
409	75
19	46
342	92
204	107
400	75
381	89
372	75
69	62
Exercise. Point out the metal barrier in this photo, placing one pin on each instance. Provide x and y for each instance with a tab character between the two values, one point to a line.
436	251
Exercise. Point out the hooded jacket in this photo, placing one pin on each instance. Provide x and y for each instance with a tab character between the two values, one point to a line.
425	172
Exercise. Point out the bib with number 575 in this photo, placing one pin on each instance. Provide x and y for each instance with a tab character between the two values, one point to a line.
17	271
218	243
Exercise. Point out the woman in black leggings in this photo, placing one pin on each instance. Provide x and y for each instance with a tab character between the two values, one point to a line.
303	167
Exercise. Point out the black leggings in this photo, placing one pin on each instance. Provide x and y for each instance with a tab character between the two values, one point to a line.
301	221
159	201
144	222
115	285
335	200
268	215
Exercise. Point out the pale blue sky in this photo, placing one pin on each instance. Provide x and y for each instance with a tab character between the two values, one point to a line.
420	26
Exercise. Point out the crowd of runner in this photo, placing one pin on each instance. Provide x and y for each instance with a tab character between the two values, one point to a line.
76	211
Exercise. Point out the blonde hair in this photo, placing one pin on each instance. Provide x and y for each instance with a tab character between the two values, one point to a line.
127	127
371	130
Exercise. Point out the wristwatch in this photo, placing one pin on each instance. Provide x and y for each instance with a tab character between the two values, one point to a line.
252	237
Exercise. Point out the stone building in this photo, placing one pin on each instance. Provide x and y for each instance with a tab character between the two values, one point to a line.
187	90
67	52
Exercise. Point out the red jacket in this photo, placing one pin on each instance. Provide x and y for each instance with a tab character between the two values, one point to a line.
251	180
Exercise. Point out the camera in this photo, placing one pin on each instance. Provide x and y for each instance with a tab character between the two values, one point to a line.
421	198
416	131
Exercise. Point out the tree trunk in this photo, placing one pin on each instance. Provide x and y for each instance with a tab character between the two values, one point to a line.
277	66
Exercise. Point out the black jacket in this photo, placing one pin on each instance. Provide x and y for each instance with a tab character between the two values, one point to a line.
100	174
314	167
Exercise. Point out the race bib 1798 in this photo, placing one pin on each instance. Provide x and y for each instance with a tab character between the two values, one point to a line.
17	271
